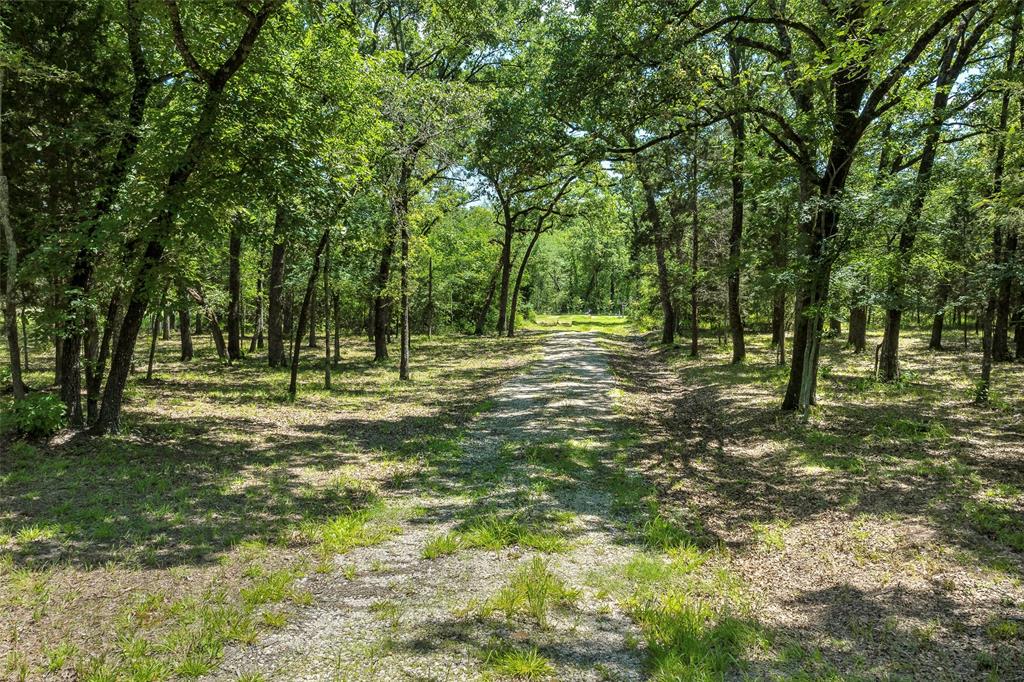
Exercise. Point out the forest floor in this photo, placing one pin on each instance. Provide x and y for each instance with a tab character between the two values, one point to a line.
559	506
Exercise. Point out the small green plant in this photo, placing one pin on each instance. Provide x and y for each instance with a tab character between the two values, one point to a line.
37	415
997	520
689	640
58	656
271	588
660	532
769	535
442	545
532	590
1005	630
518	664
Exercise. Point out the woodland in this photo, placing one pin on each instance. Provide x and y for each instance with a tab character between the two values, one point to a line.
512	339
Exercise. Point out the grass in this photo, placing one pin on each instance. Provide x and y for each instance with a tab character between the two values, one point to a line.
534	591
492	531
609	324
442	545
906	484
219	489
519	664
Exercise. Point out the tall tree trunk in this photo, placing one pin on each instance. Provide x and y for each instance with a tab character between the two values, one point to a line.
10	305
327	314
401	210
485	308
858	331
737	126
235	291
381	305
275	322
668	313
165	325
981	394
778	245
92	352
519	282
158	317
939	318
257	335
506	267
811	292
85	259
1004	295
337	328
312	321
300	328
184	330
694	255
1018	324
95	380
949	71
1000	251
430	297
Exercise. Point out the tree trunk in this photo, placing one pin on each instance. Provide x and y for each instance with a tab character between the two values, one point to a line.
381	306
1000	332
165	325
275	322
257	334
668	321
327	314
889	366
300	328
519	282
158	318
737	126
184	330
85	259
694	255
92	351
485	309
939	318
1000	251
430	297
312	322
337	328
235	291
10	306
506	268
858	328
985	383
811	293
401	210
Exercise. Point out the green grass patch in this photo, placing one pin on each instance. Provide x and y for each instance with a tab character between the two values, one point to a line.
494	532
997	520
442	545
520	664
357	528
611	324
533	590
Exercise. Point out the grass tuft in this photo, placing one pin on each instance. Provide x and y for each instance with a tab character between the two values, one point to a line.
519	664
532	590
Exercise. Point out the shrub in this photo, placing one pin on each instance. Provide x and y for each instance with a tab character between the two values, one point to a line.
37	415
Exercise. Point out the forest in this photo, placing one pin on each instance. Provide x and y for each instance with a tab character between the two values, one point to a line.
512	339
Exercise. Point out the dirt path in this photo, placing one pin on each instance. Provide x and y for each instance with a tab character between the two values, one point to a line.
526	475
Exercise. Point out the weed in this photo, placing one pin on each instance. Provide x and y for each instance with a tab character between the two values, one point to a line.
519	664
769	535
532	590
442	545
